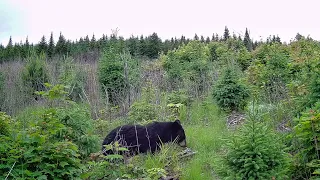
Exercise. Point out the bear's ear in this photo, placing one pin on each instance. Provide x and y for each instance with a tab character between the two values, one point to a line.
177	121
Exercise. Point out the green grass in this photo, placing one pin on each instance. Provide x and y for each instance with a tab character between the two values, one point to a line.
204	134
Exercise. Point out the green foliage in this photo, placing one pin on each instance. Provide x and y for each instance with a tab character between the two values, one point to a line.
226	34
56	92
35	74
153	46
305	144
2	86
118	72
247	41
229	92
180	96
79	128
77	120
188	64
32	151
74	78
4	125
144	109
270	71
256	152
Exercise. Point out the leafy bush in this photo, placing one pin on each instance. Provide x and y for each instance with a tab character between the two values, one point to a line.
77	120
118	72
270	71
188	66
229	92
35	74
4	125
180	96
32	151
145	108
305	144
256	152
79	128
73	77
2	95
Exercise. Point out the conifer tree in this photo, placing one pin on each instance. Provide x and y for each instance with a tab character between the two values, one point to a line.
61	47
93	43
154	46
86	43
278	39
51	46
298	37
217	37
142	46
9	49
196	37
247	41
202	39
226	34
234	36
10	45
132	44
213	38
183	40
208	40
42	46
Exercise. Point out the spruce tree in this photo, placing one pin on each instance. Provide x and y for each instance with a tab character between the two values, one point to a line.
183	40
86	44
51	46
247	41
9	49
93	43
132	45
207	40
196	37
298	37
153	46
226	34
61	47
42	46
217	37
202	39
213	38
142	46
234	36
278	39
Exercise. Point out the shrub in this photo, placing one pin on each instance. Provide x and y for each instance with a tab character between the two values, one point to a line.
256	152
145	108
118	72
79	128
77	120
35	74
32	151
229	92
2	95
305	144
73	77
180	96
188	66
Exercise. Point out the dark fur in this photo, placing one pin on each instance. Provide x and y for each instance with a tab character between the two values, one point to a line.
148	136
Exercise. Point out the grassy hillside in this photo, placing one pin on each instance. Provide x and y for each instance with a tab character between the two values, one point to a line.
247	113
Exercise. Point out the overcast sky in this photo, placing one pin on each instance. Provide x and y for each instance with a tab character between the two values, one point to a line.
169	18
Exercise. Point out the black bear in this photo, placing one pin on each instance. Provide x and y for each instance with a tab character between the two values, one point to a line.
141	139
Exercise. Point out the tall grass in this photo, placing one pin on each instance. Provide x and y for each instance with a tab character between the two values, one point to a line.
204	135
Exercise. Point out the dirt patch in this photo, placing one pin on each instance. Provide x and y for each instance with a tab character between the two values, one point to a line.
235	119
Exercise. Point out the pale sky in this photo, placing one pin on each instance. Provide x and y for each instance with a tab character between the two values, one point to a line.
169	18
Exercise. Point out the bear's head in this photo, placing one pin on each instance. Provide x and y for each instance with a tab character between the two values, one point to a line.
179	133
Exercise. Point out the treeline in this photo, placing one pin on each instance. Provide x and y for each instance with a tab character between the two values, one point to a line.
149	46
